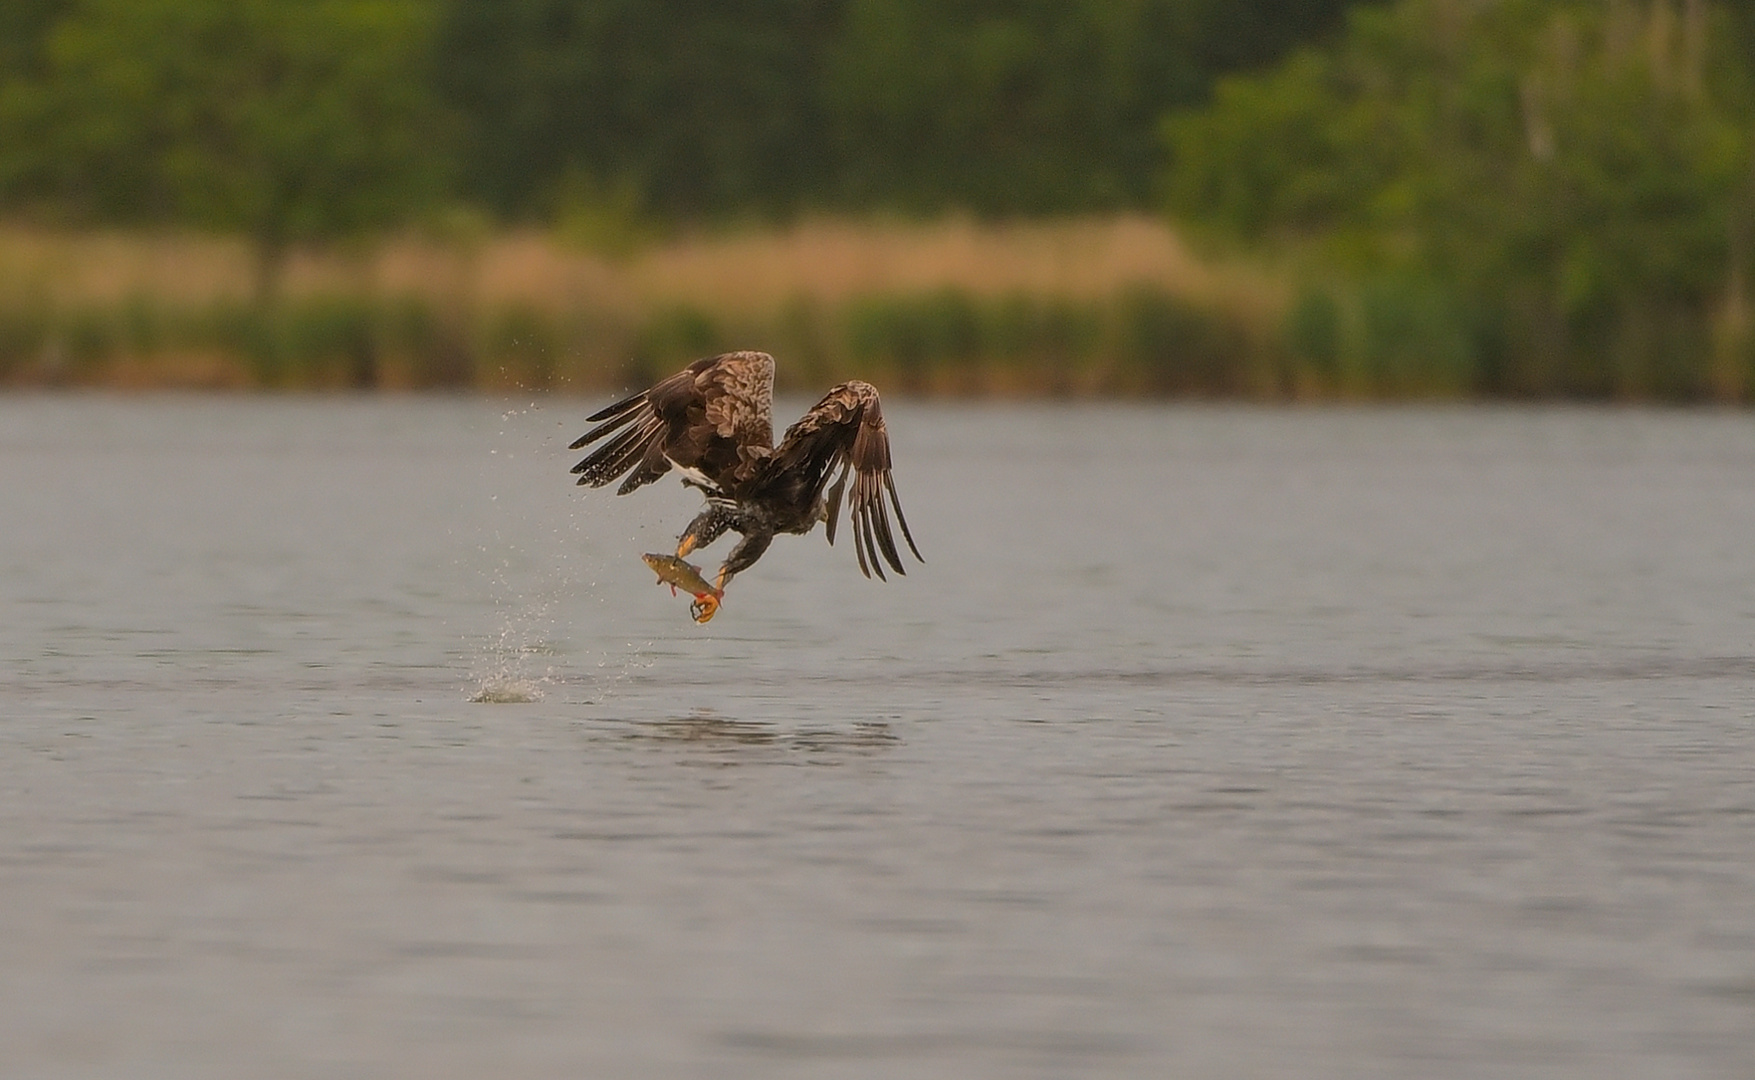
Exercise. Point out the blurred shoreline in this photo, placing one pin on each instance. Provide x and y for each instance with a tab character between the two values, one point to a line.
1095	307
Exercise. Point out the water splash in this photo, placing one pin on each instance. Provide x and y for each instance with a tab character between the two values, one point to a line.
494	691
515	665
545	568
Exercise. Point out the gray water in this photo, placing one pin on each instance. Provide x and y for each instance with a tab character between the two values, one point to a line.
1207	743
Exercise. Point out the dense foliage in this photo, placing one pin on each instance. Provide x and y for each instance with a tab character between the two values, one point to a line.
302	117
1528	195
1501	196
285	121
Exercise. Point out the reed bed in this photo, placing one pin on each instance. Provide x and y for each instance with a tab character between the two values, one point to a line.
1109	307
1112	306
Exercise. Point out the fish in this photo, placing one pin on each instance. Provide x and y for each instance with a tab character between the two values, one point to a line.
673	571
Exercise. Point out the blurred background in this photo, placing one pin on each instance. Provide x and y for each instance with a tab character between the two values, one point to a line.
341	736
1223	198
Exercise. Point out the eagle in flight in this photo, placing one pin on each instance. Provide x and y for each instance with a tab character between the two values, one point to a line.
713	422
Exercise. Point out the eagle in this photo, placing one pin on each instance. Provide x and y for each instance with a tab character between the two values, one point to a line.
713	422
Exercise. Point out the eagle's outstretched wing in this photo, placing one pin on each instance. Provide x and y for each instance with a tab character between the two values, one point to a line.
713	417
845	433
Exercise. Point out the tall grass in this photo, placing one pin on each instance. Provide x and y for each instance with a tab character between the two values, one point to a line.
953	307
1094	307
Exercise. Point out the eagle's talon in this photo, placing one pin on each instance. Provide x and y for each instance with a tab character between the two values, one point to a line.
705	607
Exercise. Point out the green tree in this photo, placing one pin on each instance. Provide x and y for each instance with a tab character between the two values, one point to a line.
288	120
692	107
999	106
1033	105
24	32
305	119
1571	174
714	107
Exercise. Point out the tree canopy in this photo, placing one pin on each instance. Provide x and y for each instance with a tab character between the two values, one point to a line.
307	118
283	120
1549	195
1572	182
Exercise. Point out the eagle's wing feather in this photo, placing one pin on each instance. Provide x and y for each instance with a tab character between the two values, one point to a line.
843	436
714	416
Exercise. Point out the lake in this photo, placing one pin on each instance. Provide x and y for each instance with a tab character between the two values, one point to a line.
344	737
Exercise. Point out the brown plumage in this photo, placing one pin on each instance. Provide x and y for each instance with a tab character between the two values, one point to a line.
713	421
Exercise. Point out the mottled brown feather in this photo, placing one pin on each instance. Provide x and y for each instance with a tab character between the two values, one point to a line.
845	433
714	416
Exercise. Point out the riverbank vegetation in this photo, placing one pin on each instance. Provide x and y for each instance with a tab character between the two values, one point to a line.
1113	305
1519	197
1429	198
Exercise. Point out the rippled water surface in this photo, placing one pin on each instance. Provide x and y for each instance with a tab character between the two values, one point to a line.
1207	743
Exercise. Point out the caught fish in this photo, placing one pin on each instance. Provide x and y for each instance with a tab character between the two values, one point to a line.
676	573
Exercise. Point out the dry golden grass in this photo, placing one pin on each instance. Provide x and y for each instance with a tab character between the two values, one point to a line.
106	268
1096	305
731	275
834	261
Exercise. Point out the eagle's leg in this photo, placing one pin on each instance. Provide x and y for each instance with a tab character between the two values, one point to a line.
742	557
709	525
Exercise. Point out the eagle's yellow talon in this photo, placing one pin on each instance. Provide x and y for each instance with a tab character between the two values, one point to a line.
685	545
705	607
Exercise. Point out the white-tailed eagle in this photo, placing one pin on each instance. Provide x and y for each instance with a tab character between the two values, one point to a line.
713	422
